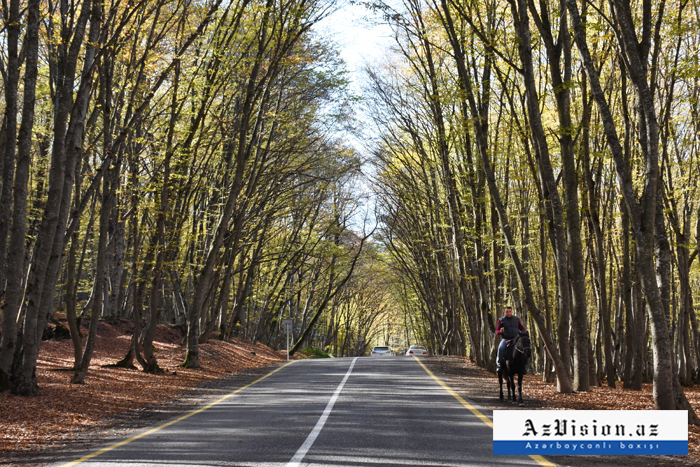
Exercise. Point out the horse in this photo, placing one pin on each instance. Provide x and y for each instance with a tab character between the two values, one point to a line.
517	355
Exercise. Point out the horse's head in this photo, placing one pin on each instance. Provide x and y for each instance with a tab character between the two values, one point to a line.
523	345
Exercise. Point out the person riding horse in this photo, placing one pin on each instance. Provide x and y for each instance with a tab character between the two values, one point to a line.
508	326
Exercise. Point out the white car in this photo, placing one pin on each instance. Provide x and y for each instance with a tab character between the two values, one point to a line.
381	351
417	350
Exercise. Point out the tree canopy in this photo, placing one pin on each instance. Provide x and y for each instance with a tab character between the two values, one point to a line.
192	163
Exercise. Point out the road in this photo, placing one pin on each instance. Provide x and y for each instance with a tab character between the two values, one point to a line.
323	412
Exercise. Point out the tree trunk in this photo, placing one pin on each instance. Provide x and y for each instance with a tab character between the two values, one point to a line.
15	181
563	382
642	216
100	274
568	248
591	206
206	276
46	257
159	242
71	302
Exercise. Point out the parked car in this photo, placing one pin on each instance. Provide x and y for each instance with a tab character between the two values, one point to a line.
417	350
380	351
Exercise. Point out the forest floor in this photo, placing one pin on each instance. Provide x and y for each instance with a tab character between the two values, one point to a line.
66	420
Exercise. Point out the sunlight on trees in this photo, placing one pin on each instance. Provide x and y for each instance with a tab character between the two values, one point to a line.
542	155
178	163
189	163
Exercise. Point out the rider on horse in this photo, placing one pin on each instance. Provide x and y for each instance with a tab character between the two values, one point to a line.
508	326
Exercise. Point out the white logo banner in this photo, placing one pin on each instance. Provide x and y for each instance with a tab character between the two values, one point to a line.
590	432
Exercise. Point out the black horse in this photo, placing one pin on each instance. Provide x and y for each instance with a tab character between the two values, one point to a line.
517	356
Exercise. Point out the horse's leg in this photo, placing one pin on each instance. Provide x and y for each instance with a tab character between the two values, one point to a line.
500	382
520	388
511	387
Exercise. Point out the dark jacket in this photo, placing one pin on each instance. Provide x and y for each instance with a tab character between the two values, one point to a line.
512	326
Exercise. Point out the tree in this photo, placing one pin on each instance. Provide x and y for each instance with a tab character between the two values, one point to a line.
643	215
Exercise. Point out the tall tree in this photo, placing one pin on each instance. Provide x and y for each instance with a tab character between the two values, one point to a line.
643	211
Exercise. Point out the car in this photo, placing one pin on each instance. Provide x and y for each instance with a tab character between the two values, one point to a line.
381	351
417	350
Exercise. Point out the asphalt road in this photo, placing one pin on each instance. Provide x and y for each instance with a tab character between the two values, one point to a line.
324	412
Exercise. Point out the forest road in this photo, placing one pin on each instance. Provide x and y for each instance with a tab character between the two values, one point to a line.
323	412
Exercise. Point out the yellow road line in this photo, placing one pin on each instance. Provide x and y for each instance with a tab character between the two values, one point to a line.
539	459
160	427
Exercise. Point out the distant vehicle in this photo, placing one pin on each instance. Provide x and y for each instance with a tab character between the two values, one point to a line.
381	351
417	350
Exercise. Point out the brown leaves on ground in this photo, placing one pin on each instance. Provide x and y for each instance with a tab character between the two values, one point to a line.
61	410
603	397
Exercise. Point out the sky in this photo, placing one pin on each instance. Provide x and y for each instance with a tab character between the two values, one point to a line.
362	40
360	37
